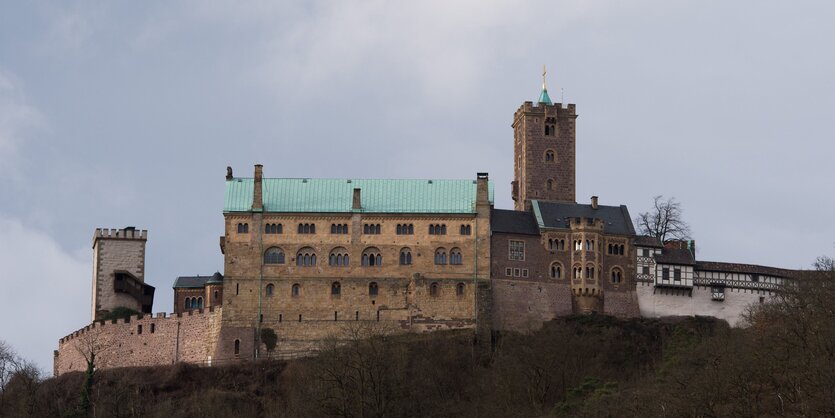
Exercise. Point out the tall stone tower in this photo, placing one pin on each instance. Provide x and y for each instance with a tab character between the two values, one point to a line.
544	151
119	271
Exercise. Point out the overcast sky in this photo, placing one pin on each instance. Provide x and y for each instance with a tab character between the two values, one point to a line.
127	113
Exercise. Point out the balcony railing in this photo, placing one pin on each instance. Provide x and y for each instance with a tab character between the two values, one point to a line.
735	284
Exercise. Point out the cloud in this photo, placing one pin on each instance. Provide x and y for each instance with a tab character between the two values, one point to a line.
44	294
16	119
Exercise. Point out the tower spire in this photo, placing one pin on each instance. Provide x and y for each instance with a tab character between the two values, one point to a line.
543	96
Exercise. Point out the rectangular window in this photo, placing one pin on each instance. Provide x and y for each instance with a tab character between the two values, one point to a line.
516	273
517	250
645	252
665	273
645	270
677	274
717	293
508	272
524	272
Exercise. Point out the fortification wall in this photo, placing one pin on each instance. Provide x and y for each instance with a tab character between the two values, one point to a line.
188	337
622	304
524	305
659	302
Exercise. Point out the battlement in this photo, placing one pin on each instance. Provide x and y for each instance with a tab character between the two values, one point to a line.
158	318
127	233
569	110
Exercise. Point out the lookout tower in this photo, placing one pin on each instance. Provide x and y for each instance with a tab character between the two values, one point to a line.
544	149
119	271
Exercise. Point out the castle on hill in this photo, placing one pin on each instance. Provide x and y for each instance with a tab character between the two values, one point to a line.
307	257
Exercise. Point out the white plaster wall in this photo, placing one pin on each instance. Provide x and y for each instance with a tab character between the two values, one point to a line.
731	309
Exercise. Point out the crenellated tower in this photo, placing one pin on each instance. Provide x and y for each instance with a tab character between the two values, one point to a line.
544	151
119	271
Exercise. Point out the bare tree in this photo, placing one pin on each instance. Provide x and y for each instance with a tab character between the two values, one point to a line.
19	376
91	344
664	221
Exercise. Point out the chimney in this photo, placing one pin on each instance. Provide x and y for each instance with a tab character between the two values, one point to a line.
257	199
594	202
482	195
357	203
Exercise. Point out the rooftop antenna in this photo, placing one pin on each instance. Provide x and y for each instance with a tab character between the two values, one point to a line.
562	95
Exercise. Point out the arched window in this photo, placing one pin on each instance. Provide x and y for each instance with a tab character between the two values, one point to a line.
431	229
411	229
550	184
371	257
295	290
272	229
336	289
589	272
200	303
549	156
466	230
217	295
405	257
434	289
307	228
274	255
237	347
338	257
459	289
269	290
547	130
373	289
440	256
399	229
187	303
243	228
578	272
455	257
620	249
306	257
443	229
556	271
617	275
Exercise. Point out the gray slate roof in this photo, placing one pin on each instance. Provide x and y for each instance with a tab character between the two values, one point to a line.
513	222
557	215
746	269
191	281
647	241
675	256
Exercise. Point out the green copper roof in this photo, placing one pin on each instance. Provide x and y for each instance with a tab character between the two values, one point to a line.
544	98
336	195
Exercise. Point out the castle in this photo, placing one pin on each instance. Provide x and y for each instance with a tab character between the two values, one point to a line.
306	257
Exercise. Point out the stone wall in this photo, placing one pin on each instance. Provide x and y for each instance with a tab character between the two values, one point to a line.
656	302
524	305
622	304
189	337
